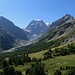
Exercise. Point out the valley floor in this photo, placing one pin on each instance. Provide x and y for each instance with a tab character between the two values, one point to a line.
52	64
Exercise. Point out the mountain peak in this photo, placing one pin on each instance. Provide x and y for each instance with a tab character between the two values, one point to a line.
36	27
14	30
37	20
48	24
68	16
1	17
65	19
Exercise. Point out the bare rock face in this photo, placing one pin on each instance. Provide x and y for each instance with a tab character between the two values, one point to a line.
36	27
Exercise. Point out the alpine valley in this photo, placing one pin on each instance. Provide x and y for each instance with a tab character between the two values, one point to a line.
37	32
39	49
18	37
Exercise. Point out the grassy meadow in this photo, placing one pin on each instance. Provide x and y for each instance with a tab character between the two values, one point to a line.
52	64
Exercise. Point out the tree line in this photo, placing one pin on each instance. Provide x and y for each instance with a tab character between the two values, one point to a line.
69	49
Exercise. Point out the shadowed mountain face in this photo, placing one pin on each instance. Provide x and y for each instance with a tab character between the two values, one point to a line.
10	35
6	40
36	27
14	30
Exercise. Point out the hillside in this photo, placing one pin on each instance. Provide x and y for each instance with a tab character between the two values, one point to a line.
6	40
14	30
61	29
58	61
11	35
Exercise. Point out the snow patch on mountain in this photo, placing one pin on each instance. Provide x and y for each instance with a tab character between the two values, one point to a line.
48	24
39	20
28	30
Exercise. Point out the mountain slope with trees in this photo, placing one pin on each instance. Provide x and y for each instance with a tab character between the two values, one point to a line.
62	28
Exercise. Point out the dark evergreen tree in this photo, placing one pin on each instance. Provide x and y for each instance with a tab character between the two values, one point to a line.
10	61
12	71
27	71
37	69
1	73
71	71
4	64
57	72
18	73
34	59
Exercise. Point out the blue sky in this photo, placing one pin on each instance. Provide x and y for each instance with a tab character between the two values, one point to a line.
21	12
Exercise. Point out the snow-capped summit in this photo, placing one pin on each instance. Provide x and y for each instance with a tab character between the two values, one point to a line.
36	27
39	20
48	24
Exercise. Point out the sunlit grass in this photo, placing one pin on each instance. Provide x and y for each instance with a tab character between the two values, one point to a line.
52	64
